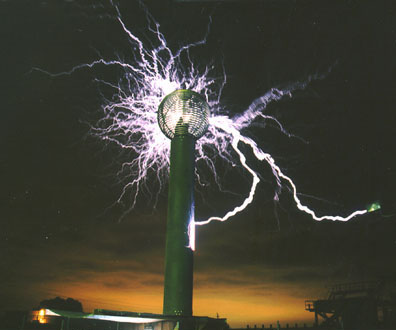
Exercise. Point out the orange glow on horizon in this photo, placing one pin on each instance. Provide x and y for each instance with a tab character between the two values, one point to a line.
239	306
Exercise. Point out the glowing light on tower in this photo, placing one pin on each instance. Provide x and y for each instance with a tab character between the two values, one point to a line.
183	116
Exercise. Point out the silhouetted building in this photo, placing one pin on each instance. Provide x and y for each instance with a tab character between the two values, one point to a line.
358	305
50	319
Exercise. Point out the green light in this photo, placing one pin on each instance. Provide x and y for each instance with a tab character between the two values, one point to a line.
373	207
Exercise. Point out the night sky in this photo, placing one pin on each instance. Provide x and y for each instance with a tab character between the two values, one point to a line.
60	235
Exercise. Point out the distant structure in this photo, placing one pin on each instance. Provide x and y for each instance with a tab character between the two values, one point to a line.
357	305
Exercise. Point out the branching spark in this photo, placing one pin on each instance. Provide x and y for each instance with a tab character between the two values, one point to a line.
130	119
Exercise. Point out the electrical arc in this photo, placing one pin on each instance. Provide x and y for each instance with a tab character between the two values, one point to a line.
130	119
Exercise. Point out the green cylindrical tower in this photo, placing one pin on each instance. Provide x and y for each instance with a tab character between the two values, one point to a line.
183	117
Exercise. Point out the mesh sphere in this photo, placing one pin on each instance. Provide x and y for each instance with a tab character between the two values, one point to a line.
183	112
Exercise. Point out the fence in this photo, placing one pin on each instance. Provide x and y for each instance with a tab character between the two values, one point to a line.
277	326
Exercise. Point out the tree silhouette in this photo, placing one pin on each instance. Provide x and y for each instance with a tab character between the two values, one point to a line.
68	304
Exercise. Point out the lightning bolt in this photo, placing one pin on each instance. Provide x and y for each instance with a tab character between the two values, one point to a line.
130	119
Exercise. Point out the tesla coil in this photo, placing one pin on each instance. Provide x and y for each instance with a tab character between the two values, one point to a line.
183	117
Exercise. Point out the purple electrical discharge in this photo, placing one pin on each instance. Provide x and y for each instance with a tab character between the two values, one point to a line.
130	119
